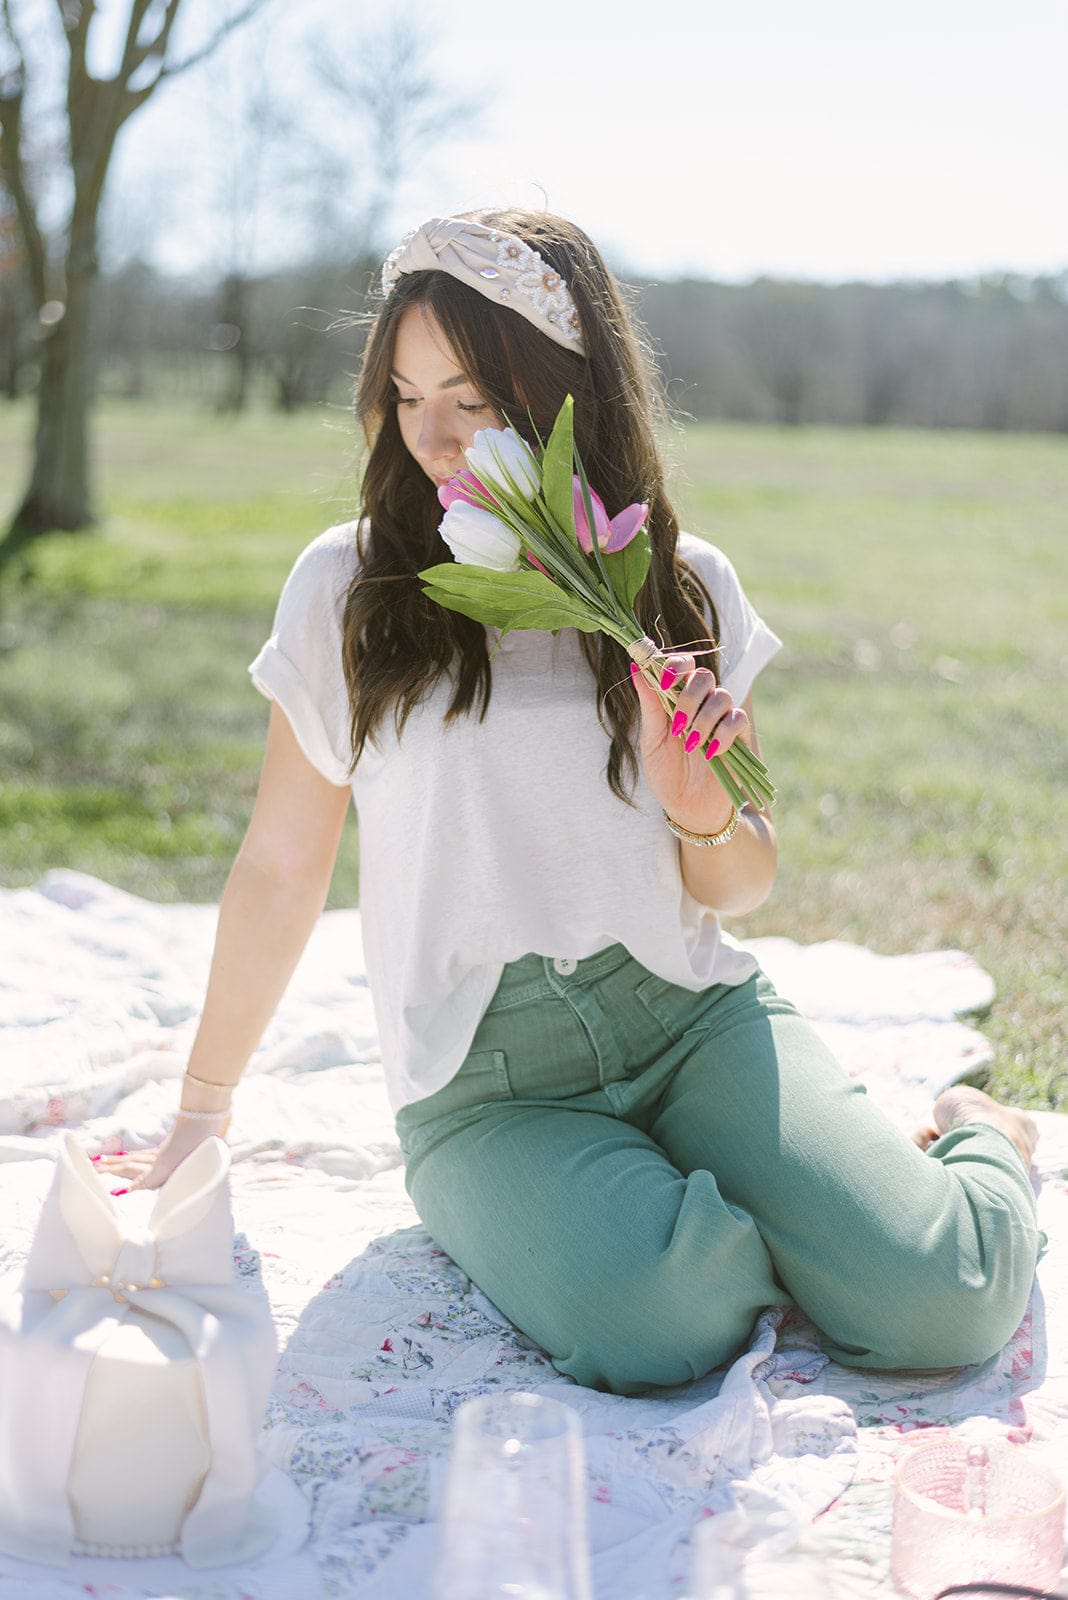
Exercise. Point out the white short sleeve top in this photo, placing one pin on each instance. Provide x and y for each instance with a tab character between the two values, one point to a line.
484	841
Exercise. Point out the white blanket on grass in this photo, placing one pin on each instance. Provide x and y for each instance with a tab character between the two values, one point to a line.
382	1336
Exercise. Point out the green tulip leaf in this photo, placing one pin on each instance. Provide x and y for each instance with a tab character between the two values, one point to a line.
505	599
557	468
628	568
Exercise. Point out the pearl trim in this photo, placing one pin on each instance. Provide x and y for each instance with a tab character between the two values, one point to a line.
122	1552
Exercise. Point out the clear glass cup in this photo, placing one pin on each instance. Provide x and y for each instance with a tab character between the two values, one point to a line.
513	1524
973	1513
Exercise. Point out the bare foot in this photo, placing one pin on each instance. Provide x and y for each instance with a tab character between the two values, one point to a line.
962	1104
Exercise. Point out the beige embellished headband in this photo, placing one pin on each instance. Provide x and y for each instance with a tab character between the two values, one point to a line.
499	265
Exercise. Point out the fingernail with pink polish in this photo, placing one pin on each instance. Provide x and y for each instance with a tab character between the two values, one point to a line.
667	677
120	1191
634	669
118	1152
713	747
693	741
679	722
94	1158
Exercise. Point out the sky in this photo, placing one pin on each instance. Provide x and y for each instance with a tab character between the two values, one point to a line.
813	139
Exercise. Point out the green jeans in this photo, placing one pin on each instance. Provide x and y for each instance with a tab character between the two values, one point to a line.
633	1172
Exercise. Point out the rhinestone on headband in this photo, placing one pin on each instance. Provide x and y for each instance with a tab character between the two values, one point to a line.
542	285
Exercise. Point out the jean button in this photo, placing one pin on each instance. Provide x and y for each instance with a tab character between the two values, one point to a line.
565	966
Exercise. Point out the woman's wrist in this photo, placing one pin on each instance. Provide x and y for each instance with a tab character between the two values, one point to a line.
703	821
699	839
202	1095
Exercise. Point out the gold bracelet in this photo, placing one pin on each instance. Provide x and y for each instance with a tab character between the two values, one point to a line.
206	1083
705	840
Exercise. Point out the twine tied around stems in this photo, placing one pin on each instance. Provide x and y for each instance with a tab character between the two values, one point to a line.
644	651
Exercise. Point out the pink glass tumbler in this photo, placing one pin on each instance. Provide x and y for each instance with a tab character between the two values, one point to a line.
967	1513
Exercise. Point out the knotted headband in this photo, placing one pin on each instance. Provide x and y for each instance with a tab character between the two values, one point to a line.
499	265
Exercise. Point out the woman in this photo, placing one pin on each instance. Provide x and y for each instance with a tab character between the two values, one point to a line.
609	1118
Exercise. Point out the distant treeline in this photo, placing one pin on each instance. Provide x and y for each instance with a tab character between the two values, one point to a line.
991	353
988	353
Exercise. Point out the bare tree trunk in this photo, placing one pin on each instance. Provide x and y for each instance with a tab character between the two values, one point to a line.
234	312
9	356
59	492
58	496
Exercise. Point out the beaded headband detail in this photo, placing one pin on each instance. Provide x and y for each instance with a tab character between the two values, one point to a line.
499	265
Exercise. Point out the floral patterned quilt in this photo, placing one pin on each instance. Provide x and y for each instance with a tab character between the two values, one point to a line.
784	1459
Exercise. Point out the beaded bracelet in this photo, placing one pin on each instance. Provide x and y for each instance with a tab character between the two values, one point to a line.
705	840
206	1083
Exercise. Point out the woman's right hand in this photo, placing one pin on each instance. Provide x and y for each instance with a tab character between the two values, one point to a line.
150	1169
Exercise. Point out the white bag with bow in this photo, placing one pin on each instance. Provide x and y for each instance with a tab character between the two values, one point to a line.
134	1374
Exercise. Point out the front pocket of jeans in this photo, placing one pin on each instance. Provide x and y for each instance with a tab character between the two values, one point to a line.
483	1076
673	1007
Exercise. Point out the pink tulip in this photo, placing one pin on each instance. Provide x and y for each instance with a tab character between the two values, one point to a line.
612	532
459	488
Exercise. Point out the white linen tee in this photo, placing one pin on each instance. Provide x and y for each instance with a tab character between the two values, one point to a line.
484	841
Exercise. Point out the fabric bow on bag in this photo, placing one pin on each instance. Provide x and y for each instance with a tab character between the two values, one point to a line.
134	1374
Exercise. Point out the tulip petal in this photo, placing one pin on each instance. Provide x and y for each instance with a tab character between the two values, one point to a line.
582	526
458	488
624	525
479	537
502	459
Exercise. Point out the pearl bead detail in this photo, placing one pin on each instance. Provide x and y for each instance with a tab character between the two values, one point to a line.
122	1552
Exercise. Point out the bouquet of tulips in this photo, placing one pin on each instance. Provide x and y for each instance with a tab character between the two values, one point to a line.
535	548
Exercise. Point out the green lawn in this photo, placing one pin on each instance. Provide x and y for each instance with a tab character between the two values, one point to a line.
915	724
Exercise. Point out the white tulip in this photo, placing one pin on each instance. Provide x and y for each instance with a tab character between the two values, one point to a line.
479	538
499	454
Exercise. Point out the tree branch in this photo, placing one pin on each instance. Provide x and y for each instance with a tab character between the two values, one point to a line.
78	35
13	40
222	32
75	17
12	169
134	54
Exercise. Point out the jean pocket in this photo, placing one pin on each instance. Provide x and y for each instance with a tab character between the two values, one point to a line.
482	1080
483	1076
675	1009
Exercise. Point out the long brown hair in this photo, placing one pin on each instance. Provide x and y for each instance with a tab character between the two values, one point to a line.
397	643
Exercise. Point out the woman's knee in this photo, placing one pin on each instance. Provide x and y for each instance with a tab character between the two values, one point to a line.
648	1330
946	1311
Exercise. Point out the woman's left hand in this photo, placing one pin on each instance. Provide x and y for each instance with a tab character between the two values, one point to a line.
677	767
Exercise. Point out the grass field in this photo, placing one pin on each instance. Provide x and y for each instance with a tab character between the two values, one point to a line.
916	724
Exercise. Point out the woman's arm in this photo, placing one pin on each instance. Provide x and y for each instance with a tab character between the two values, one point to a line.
734	877
274	895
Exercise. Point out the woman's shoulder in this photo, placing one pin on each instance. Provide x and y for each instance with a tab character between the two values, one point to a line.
321	574
332	553
716	572
708	561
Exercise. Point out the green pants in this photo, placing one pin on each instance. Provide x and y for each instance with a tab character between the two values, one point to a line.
632	1172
